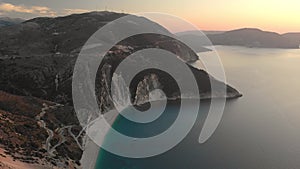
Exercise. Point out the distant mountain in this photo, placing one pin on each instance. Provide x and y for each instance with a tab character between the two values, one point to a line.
248	37
293	37
213	32
6	21
255	38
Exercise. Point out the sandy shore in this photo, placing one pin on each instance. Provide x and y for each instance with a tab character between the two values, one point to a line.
90	154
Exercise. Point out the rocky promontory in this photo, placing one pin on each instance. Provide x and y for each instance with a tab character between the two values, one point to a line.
37	59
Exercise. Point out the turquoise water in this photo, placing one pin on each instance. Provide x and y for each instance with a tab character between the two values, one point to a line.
258	131
107	160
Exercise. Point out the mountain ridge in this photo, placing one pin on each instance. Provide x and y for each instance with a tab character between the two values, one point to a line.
248	37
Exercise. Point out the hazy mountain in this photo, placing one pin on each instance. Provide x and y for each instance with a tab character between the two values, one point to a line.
255	38
6	21
293	37
213	32
249	37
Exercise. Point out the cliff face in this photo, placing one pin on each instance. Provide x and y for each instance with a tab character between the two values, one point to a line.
144	87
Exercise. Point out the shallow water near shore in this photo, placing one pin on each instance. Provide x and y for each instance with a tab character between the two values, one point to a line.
259	130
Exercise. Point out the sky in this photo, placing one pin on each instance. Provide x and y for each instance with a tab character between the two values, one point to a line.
272	15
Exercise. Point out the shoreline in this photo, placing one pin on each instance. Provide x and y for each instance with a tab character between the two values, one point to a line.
92	151
92	147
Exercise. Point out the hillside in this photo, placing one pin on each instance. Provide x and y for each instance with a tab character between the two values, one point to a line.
39	132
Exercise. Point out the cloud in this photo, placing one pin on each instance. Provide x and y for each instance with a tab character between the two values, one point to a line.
38	10
8	9
72	11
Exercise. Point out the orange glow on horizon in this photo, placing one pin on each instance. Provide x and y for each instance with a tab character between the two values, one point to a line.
269	15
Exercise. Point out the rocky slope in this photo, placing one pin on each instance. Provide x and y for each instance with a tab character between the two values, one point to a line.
40	132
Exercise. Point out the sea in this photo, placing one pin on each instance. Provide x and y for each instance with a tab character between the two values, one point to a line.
260	130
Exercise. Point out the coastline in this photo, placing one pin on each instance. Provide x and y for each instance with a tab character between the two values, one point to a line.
112	117
92	151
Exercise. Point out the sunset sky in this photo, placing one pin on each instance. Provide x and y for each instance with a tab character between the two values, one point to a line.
272	15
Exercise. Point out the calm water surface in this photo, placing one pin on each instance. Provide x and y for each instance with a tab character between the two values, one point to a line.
261	130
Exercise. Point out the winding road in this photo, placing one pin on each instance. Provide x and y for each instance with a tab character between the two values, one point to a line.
60	131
